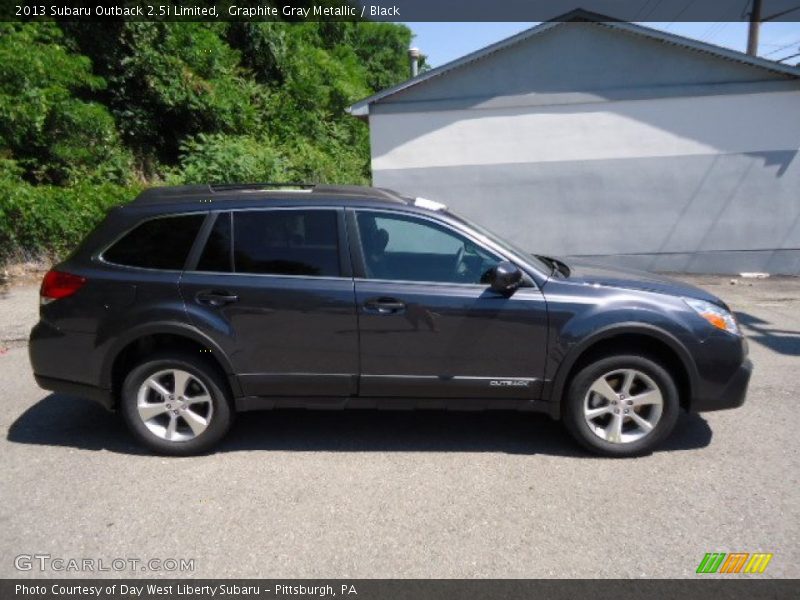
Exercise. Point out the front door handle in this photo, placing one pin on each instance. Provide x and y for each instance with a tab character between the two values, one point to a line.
384	306
215	298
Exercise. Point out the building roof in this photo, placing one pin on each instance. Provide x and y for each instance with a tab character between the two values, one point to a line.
361	108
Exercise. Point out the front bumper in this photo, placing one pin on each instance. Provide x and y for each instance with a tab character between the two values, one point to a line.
732	395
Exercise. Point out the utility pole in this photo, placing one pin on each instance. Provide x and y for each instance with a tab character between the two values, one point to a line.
755	24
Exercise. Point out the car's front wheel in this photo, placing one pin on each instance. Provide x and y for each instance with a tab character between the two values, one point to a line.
621	406
176	405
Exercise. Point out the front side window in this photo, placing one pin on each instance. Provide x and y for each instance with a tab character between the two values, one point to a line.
404	248
286	242
161	243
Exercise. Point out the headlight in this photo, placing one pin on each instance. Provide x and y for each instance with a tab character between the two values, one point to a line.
716	315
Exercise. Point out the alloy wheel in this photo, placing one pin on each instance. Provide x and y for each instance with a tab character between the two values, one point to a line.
174	405
623	406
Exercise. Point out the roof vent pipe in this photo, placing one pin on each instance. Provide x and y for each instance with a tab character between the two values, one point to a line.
413	55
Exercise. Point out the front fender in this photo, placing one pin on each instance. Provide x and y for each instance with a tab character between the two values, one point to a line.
579	321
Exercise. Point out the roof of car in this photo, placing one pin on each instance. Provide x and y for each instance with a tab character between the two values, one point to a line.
236	192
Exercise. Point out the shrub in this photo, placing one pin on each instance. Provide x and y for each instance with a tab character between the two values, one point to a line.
93	107
43	221
55	135
230	158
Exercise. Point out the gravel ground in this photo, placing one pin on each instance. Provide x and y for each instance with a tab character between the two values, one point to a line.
374	494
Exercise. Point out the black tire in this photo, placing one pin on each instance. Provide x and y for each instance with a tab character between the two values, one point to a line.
579	388
221	413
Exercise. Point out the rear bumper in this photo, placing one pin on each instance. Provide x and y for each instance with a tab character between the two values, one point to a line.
63	362
733	394
73	388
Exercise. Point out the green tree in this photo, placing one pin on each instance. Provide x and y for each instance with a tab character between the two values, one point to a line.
217	158
167	81
46	125
86	109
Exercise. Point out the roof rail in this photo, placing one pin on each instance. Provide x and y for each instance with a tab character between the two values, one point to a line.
224	191
160	194
229	187
384	193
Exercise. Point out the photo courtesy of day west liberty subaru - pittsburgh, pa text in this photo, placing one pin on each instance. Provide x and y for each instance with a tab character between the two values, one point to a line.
183	589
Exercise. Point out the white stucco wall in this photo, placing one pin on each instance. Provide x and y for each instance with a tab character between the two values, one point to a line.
704	183
594	131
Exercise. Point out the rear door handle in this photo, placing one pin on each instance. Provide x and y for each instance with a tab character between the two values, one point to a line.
215	298
384	306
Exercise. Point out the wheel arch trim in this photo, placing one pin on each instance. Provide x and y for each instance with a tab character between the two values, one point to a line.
559	382
165	328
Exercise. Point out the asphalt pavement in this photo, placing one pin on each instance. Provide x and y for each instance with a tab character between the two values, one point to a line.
381	494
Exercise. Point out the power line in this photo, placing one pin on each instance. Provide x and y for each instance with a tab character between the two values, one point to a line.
652	10
709	30
789	45
647	9
641	9
782	13
685	8
715	31
756	18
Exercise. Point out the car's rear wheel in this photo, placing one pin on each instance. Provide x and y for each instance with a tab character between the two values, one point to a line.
176	405
621	405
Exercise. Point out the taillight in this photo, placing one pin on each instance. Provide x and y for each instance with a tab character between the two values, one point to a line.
57	284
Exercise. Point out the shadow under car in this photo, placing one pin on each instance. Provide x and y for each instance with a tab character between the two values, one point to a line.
59	420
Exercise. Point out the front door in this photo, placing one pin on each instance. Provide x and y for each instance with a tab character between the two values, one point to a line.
428	326
273	289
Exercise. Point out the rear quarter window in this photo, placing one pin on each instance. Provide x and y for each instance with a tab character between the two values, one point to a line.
160	243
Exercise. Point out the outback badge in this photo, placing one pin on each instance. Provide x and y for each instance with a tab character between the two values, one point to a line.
509	383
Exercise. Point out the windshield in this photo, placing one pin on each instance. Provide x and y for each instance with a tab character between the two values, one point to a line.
505	245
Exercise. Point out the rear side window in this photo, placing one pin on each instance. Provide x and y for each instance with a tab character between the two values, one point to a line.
286	242
161	243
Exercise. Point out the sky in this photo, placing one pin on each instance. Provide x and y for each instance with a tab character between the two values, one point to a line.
443	42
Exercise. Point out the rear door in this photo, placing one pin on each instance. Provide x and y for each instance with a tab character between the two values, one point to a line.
430	327
274	288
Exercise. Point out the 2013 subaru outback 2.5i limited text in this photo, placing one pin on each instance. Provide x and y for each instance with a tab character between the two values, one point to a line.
193	303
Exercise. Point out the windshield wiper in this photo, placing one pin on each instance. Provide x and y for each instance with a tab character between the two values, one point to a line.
562	267
555	265
548	261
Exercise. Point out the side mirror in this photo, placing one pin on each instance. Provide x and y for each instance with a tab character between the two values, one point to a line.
504	277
